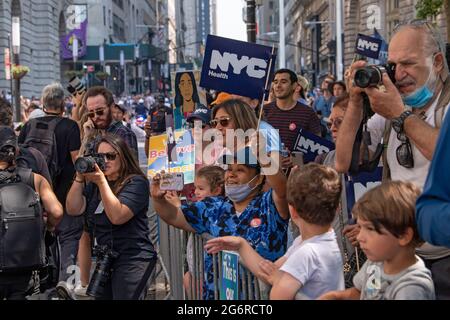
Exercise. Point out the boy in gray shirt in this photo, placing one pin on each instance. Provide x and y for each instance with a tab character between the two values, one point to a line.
388	236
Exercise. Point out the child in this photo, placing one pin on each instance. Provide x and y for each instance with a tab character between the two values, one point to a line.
313	265
388	237
208	182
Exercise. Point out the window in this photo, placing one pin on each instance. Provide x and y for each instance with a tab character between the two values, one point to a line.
119	28
119	3
271	5
104	15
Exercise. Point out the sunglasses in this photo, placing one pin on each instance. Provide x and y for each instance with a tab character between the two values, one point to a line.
96	112
404	152
336	122
224	122
110	156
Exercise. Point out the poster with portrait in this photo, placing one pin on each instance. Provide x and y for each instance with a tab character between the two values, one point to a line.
76	28
187	95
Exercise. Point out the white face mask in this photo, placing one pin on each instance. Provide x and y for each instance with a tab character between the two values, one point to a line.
240	192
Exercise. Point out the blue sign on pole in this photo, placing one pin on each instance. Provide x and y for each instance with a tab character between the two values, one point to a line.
237	67
229	289
311	145
368	46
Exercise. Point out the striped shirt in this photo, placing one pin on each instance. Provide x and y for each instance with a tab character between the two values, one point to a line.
288	122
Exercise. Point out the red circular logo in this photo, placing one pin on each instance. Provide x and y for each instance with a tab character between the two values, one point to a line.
255	223
292	126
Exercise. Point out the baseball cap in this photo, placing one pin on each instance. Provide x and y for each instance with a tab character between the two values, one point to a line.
201	113
221	97
8	137
243	156
141	100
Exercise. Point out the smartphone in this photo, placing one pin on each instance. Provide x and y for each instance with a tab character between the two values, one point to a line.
172	182
297	158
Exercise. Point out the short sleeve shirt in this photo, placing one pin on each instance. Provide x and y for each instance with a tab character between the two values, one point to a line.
260	224
132	238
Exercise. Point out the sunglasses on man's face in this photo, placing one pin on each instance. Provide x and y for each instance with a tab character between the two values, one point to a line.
224	122
99	113
110	156
404	152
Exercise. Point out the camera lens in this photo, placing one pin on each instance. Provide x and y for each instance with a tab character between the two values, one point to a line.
85	165
368	76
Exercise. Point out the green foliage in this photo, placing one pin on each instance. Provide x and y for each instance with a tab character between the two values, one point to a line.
428	8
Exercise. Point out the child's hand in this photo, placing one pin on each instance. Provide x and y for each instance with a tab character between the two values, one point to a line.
224	243
351	232
269	271
173	198
328	296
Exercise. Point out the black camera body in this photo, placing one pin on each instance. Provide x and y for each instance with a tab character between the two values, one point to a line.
76	86
372	76
86	164
105	257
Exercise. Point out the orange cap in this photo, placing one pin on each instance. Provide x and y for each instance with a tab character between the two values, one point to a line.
221	97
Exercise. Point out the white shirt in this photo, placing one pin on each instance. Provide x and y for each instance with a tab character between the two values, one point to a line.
416	175
316	263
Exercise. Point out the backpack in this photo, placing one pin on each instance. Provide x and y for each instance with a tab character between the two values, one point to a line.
22	228
41	136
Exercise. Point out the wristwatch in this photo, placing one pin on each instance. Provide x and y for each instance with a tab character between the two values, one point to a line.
397	123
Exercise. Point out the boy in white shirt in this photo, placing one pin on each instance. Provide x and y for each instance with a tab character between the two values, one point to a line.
388	236
313	264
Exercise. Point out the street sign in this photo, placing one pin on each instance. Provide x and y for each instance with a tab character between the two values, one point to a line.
237	67
7	64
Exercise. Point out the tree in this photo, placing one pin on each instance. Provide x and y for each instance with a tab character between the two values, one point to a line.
429	8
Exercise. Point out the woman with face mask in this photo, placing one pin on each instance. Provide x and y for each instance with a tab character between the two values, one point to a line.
246	211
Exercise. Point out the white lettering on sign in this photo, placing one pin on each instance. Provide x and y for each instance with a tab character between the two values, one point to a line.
256	68
374	19
307	144
364	44
360	188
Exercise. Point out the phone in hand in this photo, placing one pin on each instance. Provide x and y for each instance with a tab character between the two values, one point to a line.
297	158
172	181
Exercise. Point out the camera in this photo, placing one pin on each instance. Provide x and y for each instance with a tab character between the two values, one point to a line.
372	76
102	274
86	164
75	86
172	181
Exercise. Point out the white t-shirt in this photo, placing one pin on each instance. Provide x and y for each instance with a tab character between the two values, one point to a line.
416	175
316	263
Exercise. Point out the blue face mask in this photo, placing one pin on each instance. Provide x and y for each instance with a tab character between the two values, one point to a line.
421	96
240	192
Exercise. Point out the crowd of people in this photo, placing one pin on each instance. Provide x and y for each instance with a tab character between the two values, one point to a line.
289	226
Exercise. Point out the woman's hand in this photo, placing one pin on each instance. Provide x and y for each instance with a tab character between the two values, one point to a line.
155	190
224	243
173	198
97	177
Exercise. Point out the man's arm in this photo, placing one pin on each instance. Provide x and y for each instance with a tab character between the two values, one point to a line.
50	203
423	135
433	206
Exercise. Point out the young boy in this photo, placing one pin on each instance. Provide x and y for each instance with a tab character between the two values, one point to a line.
209	182
388	237
313	264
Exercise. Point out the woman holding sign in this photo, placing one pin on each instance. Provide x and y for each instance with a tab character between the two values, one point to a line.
246	210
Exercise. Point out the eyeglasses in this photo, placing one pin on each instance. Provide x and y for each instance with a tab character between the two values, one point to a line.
99	113
404	152
110	156
336	122
224	122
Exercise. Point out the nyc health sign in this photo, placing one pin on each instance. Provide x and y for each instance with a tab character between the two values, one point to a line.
236	67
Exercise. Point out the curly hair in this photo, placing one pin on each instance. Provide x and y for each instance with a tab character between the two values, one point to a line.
390	205
6	113
214	175
314	192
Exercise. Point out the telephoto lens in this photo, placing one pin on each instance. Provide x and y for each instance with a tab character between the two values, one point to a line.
85	164
102	273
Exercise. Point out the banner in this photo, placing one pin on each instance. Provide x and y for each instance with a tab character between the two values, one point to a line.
76	27
236	67
185	150
311	145
356	186
368	46
229	289
7	64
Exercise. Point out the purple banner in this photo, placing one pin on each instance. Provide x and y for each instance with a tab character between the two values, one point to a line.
68	39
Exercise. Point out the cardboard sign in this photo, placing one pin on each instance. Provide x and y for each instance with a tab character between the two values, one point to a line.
229	289
236	67
311	145
185	155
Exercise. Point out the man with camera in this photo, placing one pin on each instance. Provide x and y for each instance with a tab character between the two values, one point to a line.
156	120
405	127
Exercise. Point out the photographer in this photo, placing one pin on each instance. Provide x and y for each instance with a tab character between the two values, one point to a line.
156	120
408	116
115	201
